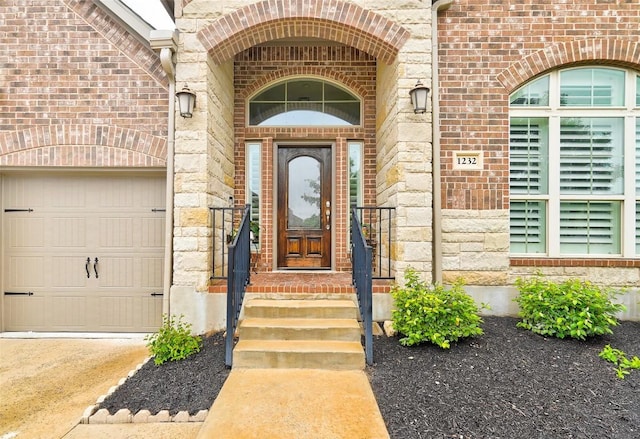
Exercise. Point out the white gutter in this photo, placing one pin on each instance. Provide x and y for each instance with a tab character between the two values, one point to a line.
166	41
440	5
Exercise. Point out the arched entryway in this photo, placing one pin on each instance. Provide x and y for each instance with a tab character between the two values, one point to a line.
313	67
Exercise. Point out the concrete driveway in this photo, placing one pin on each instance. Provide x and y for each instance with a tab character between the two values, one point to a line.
46	384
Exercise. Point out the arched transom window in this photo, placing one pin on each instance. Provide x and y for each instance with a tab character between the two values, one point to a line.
575	164
304	102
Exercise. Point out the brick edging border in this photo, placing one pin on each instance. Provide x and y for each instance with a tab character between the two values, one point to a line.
124	416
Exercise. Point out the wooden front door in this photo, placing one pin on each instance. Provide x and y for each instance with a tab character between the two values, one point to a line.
304	207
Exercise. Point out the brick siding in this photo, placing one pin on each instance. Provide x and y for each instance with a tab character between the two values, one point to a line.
78	89
487	49
334	20
259	66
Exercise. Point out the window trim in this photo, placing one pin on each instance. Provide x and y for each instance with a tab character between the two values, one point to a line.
554	112
248	175
297	78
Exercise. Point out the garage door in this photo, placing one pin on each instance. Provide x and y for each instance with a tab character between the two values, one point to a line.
83	253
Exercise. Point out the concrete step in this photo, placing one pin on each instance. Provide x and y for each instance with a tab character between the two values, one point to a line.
293	308
299	329
300	354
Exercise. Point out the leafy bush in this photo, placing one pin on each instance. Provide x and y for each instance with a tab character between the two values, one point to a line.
574	308
619	358
433	313
173	341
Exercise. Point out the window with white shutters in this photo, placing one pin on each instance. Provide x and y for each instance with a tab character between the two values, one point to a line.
638	156
528	226
528	145
568	194
589	227
637	228
591	155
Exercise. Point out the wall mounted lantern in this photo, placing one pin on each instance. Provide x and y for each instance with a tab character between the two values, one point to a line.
419	95
186	101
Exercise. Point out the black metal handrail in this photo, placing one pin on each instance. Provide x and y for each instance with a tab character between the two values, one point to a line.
361	271
225	226
376	225
238	279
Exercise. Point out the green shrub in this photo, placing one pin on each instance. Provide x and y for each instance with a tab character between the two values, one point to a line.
619	358
433	313
574	308
173	341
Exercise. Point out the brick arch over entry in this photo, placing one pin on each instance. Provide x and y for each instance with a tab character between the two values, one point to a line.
621	52
82	145
333	20
323	73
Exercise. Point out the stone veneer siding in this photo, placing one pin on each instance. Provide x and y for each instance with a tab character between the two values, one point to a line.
388	44
397	35
487	50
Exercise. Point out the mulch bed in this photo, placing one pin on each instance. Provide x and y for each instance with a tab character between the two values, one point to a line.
189	385
508	383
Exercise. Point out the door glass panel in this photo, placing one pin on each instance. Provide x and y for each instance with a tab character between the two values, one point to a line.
304	193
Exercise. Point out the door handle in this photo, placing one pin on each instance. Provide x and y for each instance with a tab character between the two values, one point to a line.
95	267
86	267
327	214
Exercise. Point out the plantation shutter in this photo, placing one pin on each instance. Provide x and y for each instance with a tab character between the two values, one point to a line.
591	156
637	228
528	147
528	156
589	227
638	173
528	226
638	156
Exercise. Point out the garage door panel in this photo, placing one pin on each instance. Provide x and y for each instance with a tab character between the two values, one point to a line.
70	272
25	313
152	232
151	313
118	194
117	312
116	272
24	231
151	272
115	233
22	192
150	197
68	313
67	193
68	232
25	272
117	219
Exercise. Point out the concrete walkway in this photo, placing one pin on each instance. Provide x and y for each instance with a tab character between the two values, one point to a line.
295	403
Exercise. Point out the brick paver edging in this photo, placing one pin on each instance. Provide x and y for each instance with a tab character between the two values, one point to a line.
124	416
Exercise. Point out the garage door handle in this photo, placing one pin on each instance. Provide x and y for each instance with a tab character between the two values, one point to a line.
14	293
86	267
95	267
156	294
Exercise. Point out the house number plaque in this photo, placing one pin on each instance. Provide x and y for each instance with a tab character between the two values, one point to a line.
467	160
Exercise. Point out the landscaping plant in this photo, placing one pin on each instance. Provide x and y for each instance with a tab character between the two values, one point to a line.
173	341
573	308
619	358
433	313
